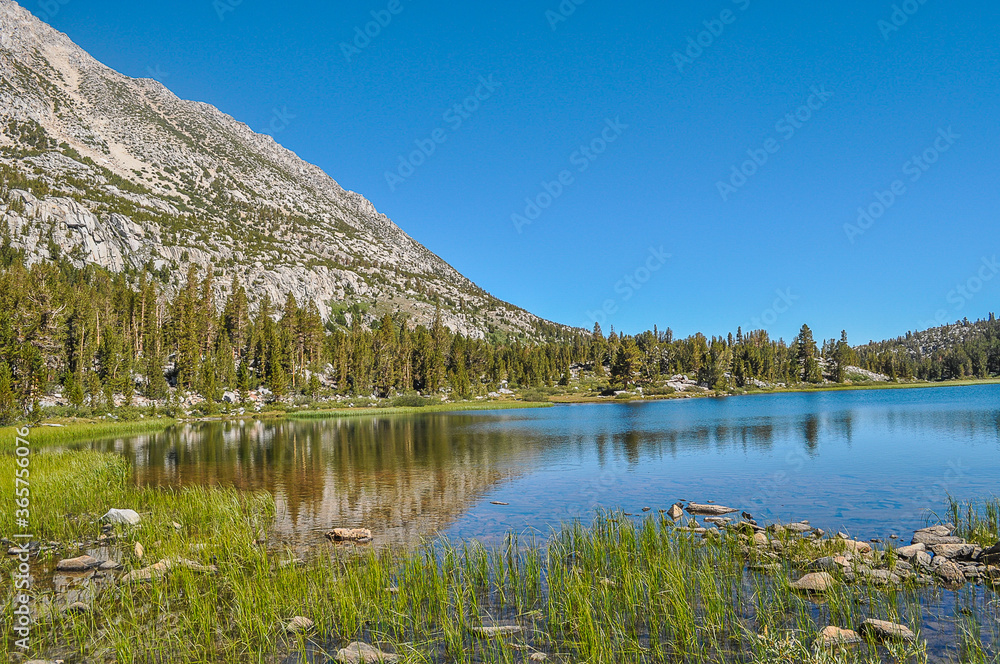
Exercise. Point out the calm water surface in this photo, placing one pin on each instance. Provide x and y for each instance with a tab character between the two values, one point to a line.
873	463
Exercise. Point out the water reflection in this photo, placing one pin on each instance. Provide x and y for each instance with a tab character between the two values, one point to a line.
854	458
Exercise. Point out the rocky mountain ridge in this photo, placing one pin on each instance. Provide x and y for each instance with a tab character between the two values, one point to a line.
101	168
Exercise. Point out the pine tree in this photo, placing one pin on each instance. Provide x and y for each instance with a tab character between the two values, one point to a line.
8	400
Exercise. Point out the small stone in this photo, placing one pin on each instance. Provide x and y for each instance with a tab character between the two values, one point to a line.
538	657
80	564
864	548
299	625
358	653
832	637
760	539
139	551
155	571
177	526
816	582
78	608
109	565
497	502
887	630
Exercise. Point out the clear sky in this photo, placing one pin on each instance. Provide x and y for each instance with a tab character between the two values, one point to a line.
832	100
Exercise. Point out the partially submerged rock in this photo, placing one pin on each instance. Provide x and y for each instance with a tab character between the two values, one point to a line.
708	510
675	512
350	535
961	551
950	573
911	551
160	569
299	625
815	582
492	631
357	652
127	517
832	637
79	564
885	630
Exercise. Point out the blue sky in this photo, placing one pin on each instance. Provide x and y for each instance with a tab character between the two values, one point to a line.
627	131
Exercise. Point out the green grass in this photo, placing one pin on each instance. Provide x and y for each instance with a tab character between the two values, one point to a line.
73	431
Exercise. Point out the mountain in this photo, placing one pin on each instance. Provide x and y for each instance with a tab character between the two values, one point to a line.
101	168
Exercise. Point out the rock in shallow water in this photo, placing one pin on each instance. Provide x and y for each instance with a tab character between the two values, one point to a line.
708	510
834	636
350	535
299	625
886	630
357	652
950	573
817	582
80	564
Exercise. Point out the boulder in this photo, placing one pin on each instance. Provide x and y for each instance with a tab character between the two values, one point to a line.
80	564
832	637
675	512
937	531
128	517
815	582
930	538
357	652
990	556
887	631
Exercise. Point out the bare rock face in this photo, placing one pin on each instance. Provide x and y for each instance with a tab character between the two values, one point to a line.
124	174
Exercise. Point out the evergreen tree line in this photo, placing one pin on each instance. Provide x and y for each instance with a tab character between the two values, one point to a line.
98	334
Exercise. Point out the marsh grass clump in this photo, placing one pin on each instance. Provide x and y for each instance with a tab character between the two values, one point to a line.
977	521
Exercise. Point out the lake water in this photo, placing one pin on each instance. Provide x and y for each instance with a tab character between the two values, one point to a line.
872	463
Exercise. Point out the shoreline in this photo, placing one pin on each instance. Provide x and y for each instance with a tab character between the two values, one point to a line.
72	430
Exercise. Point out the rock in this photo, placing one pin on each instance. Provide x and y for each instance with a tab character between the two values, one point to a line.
991	556
350	535
675	512
964	551
538	657
923	559
911	551
816	582
950	573
492	631
708	510
78	608
128	517
177	526
937	531
155	571
299	625
501	504
864	548
929	538
832	637
882	577
139	551
760	539
826	564
109	565
357	652
80	564
885	630
191	565
799	528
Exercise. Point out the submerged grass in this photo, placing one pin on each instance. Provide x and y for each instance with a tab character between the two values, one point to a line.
618	590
